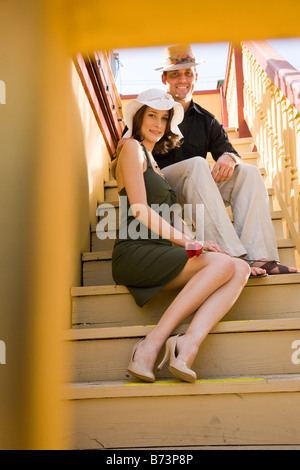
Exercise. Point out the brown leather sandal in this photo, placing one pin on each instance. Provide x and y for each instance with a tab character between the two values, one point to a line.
269	265
255	276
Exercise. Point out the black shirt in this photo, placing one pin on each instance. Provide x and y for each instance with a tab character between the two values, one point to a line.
202	133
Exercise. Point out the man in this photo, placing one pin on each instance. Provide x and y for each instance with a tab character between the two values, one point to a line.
231	181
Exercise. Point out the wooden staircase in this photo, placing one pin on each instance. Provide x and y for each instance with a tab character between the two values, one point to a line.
247	392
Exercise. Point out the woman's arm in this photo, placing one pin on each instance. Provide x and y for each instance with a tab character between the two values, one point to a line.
129	173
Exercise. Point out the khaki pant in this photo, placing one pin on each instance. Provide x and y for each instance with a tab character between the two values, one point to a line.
252	235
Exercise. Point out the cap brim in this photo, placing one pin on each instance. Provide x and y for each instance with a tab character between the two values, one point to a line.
134	105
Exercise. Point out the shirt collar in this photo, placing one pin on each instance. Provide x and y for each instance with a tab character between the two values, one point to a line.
194	106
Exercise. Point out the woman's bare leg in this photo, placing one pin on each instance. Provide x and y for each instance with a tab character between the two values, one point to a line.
210	313
211	284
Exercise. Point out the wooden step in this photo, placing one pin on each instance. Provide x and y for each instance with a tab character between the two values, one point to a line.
96	266
232	132
232	348
256	410
105	306
111	190
242	145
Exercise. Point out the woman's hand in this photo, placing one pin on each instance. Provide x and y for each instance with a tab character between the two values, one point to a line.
195	248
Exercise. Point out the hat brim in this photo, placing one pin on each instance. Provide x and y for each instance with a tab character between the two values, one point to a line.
134	105
186	65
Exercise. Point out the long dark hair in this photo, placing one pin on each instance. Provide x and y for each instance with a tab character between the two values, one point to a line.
168	141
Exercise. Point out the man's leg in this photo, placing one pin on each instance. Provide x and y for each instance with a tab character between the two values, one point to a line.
246	192
192	181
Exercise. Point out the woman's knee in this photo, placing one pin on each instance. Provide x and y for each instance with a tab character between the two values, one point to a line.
222	264
242	269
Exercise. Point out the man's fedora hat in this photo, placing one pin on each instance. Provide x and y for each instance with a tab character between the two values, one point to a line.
156	99
179	57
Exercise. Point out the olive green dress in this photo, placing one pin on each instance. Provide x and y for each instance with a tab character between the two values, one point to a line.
146	264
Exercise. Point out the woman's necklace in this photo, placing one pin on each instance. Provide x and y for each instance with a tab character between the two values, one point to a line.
155	166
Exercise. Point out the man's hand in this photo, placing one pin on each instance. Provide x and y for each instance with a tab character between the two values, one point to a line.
113	164
223	169
120	144
210	245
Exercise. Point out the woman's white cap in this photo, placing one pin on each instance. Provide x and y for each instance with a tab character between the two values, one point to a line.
156	99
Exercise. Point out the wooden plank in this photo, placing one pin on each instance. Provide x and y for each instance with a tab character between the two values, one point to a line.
214	386
113	306
246	412
98	255
279	279
274	324
94	274
107	254
97	265
226	354
97	290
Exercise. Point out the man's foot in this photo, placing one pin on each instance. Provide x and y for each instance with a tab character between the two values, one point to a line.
271	267
257	272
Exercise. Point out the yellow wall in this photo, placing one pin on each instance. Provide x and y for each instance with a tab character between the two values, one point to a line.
96	154
211	102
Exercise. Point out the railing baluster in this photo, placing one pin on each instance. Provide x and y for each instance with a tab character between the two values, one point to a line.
274	123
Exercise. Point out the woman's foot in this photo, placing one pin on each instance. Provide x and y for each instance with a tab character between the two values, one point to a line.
177	366
146	352
138	367
186	350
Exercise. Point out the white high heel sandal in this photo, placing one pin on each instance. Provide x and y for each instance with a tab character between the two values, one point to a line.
177	367
138	370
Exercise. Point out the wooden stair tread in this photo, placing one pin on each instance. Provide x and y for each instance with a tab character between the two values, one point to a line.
233	326
241	140
107	254
211	386
118	289
110	183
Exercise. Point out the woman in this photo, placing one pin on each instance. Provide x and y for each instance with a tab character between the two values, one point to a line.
209	283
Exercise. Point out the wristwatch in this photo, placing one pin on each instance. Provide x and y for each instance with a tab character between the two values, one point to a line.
233	156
